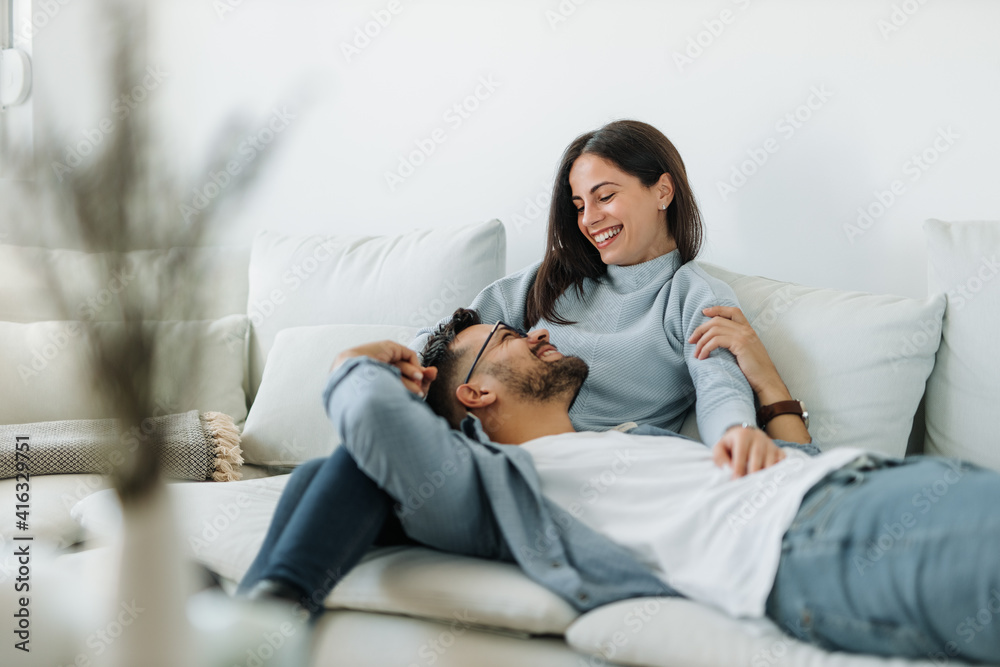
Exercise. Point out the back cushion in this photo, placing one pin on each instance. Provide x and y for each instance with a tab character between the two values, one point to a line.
44	369
859	361
411	279
25	294
963	392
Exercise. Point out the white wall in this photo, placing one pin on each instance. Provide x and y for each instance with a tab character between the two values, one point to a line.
890	94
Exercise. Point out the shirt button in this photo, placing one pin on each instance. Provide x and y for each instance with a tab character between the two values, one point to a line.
582	597
556	565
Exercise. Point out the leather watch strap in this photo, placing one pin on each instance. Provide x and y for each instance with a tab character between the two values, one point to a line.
768	412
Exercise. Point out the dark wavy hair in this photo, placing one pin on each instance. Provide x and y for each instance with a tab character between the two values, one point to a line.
439	353
638	149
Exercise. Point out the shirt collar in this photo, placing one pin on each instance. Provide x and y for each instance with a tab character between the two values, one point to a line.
473	428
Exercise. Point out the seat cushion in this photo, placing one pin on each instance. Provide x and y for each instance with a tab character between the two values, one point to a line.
362	639
223	525
673	632
51	499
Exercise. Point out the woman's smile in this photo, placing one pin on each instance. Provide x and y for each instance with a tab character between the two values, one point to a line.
606	236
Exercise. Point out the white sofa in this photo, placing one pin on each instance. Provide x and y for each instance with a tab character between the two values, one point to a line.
861	363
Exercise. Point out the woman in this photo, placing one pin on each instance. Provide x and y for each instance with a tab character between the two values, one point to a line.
617	288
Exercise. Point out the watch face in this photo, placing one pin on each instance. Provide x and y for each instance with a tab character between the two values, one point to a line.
805	414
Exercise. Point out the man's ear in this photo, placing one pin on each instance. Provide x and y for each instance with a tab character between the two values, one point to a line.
473	397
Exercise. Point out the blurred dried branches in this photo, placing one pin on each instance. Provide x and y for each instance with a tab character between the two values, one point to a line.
124	198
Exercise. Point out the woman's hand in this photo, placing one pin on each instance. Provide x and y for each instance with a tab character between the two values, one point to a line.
730	329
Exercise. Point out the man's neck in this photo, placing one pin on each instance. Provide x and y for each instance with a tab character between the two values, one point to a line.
509	425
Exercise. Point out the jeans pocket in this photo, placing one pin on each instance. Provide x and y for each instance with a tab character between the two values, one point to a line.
811	505
834	631
820	505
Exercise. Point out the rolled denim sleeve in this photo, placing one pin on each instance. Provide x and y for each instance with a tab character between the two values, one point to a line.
414	456
806	448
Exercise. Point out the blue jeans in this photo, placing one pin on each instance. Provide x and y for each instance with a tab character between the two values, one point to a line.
902	560
329	515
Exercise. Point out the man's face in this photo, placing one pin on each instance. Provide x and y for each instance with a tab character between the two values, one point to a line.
528	367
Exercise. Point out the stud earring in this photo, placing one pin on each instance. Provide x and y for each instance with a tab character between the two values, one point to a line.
663	207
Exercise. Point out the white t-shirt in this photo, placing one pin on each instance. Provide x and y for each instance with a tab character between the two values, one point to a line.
712	538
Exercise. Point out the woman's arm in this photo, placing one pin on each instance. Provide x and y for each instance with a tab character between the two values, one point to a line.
730	329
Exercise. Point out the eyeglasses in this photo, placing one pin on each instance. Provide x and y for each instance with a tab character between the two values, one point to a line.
496	327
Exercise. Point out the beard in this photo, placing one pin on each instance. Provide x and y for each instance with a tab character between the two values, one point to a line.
549	381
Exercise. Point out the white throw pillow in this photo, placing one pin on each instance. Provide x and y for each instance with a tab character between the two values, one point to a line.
858	361
964	389
287	423
412	279
43	369
669	632
224	525
25	293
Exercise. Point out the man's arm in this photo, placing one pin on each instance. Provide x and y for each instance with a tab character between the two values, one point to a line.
411	453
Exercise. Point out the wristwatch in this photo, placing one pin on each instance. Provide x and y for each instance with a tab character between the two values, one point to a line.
768	412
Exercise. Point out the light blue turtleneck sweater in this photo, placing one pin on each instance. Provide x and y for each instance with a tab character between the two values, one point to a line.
631	328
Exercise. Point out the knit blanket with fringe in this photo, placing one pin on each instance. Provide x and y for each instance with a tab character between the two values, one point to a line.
196	446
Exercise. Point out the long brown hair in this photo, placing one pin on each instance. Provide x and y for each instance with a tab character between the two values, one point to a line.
638	149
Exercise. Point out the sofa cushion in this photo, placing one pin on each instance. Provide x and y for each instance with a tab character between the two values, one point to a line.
411	279
674	632
360	639
25	293
963	391
287	423
44	369
52	498
858	361
433	584
224	526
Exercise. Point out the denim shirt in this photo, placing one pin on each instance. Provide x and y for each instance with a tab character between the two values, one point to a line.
457	491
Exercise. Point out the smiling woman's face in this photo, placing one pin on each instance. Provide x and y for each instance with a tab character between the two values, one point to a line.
620	216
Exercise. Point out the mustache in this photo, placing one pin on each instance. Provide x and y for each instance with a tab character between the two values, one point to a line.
534	350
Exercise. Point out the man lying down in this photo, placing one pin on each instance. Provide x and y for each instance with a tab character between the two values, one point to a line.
792	541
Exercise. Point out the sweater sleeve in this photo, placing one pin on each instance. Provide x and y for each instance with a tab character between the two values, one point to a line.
502	299
723	396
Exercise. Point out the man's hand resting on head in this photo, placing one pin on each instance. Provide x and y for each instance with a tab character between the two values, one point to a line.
416	378
746	450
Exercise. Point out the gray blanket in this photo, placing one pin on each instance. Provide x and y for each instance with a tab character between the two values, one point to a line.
196	446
